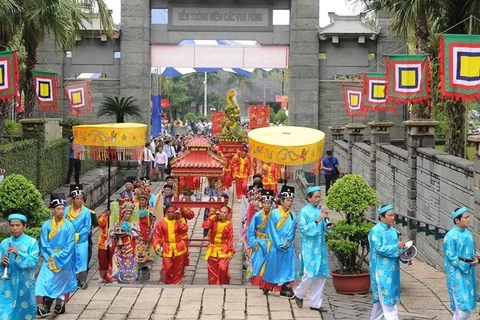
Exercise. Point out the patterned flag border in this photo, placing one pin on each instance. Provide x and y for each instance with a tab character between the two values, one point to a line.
83	89
401	69
370	103
9	75
49	101
348	92
453	49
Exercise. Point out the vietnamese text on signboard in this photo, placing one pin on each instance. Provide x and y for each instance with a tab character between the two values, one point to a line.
220	17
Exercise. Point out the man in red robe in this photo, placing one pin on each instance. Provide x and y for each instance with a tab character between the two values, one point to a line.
168	241
220	250
241	168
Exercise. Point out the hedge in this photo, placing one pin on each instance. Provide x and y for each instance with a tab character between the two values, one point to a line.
20	157
55	165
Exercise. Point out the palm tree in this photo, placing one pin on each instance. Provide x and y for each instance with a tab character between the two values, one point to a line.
120	108
425	18
62	19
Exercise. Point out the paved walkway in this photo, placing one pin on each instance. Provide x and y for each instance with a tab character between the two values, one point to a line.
424	294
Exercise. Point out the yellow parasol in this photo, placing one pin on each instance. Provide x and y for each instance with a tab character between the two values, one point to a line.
288	145
109	142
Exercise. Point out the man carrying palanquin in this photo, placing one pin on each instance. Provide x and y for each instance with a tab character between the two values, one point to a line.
220	250
168	240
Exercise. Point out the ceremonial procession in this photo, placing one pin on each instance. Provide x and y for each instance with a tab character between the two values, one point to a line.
276	160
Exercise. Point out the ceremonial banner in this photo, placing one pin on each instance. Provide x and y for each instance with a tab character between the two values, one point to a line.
165	102
217	120
9	76
352	98
408	78
259	116
374	92
79	96
46	90
460	66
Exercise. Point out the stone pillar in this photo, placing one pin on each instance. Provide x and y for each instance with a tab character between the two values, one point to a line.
35	129
337	133
304	65
420	134
379	132
135	61
354	130
475	141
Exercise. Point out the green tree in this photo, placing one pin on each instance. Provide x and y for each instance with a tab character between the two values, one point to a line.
189	117
272	115
217	100
424	19
179	98
281	116
196	87
18	195
120	108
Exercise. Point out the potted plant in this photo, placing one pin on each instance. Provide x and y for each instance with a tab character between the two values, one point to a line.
349	239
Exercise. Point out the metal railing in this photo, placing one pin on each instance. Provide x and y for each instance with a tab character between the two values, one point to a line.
419	225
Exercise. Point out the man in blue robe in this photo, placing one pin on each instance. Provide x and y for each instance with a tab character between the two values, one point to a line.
313	255
19	254
81	218
258	240
460	260
281	261
57	276
385	248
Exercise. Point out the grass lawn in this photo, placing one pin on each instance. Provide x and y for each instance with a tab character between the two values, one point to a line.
470	151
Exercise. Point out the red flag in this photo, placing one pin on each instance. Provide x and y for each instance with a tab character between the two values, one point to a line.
217	120
259	116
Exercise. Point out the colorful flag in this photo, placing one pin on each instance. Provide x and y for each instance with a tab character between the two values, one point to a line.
352	98
9	76
46	90
460	66
79	96
259	116
165	102
217	120
408	78
375	94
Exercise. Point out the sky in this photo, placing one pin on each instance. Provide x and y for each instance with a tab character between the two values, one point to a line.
337	6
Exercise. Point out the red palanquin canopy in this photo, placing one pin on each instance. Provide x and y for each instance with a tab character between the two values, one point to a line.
198	161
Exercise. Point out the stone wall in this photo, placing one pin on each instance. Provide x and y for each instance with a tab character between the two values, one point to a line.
391	177
340	151
444	182
361	160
